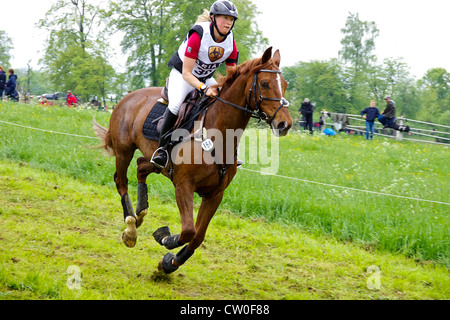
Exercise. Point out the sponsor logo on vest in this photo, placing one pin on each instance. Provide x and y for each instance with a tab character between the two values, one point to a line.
215	53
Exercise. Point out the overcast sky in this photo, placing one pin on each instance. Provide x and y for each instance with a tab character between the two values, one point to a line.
303	30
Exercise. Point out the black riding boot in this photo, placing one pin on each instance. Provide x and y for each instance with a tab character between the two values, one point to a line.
169	120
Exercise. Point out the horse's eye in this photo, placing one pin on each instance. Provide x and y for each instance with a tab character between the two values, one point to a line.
264	85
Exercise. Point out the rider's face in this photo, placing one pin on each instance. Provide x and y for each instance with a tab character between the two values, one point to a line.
224	23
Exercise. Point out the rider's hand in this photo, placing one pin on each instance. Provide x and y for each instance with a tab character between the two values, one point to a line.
212	92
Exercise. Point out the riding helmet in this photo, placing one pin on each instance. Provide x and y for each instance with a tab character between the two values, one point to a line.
224	7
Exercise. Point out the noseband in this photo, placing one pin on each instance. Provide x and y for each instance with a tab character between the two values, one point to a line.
258	99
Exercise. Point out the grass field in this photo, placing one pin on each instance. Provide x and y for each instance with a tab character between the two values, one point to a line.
51	222
290	239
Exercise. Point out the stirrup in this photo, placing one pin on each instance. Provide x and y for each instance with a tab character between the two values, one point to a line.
157	164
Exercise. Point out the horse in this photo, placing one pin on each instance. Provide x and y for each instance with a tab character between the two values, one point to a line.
254	88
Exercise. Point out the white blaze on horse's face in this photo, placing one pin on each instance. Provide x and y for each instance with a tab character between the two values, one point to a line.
279	84
283	99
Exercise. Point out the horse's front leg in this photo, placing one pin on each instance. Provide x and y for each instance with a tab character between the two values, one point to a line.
185	201
144	168
208	208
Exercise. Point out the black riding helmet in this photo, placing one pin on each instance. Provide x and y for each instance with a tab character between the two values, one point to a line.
225	8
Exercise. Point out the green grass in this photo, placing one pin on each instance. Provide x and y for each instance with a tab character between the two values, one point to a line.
416	229
51	222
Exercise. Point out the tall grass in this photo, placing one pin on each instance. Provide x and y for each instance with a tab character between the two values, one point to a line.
416	228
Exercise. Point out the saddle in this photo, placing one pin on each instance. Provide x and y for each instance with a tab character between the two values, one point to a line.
153	123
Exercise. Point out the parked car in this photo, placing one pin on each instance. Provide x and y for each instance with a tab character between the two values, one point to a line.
51	96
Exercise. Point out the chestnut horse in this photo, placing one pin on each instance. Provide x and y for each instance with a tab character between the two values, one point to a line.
253	89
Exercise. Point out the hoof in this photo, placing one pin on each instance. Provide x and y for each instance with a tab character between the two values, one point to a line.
129	236
166	265
160	234
140	218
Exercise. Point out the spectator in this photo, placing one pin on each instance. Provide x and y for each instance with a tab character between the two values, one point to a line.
387	116
11	86
370	114
71	100
306	110
2	82
340	122
388	119
43	101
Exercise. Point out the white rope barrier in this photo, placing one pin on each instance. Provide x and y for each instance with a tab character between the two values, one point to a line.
260	172
49	131
347	188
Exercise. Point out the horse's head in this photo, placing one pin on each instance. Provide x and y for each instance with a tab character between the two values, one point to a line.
266	93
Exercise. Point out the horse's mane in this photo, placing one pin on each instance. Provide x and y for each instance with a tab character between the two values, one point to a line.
252	65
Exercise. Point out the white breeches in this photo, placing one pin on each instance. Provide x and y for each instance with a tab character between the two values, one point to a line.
179	89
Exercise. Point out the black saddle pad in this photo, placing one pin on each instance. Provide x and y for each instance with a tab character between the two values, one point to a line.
150	128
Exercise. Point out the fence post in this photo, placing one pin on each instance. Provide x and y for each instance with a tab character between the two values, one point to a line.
399	134
324	119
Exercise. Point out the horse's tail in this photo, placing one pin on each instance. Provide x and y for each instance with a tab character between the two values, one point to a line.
104	135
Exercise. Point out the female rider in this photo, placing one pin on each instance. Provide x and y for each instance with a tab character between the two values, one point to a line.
207	45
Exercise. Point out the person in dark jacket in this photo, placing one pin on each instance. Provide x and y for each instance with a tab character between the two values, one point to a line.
11	86
306	110
388	119
2	82
387	116
370	114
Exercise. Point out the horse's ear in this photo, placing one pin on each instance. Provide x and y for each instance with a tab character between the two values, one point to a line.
267	55
277	58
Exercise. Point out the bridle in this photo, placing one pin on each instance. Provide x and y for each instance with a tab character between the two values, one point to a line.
258	99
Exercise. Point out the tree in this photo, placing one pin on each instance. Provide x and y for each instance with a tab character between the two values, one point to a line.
145	24
99	73
358	44
153	31
320	81
5	46
72	21
435	98
77	56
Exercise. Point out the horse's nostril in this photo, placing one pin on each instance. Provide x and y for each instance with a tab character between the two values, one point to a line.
282	125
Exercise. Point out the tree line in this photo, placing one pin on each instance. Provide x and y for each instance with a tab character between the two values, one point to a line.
80	50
